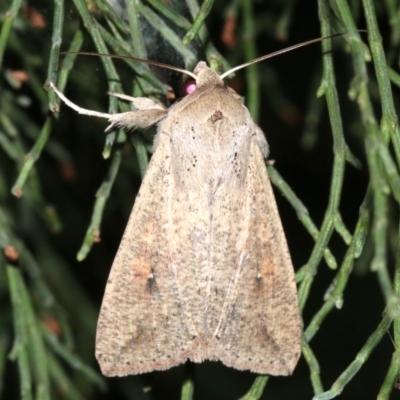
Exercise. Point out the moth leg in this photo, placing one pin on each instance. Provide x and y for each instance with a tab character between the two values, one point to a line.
122	96
75	107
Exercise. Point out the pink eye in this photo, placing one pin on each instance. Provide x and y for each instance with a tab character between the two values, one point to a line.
189	86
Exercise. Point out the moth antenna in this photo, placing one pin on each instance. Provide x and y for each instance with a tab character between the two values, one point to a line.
277	53
155	63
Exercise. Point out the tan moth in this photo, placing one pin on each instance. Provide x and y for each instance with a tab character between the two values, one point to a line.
203	271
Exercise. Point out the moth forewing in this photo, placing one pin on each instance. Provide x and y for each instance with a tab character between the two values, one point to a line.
262	329
141	327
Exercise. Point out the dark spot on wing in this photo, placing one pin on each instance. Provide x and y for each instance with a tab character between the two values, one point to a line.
216	116
151	282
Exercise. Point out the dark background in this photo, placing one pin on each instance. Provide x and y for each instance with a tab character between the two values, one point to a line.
71	188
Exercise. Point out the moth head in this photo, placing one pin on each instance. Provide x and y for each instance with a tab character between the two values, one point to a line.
205	76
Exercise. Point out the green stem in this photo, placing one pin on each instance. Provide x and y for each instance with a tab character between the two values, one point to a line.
20	348
328	88
253	87
10	15
31	158
257	388
93	231
359	361
342	277
315	373
69	60
56	41
136	32
34	343
394	369
199	20
389	123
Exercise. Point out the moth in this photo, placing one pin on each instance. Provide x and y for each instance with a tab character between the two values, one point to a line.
203	270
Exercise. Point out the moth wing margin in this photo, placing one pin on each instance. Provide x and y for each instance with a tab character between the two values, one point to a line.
142	325
260	326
